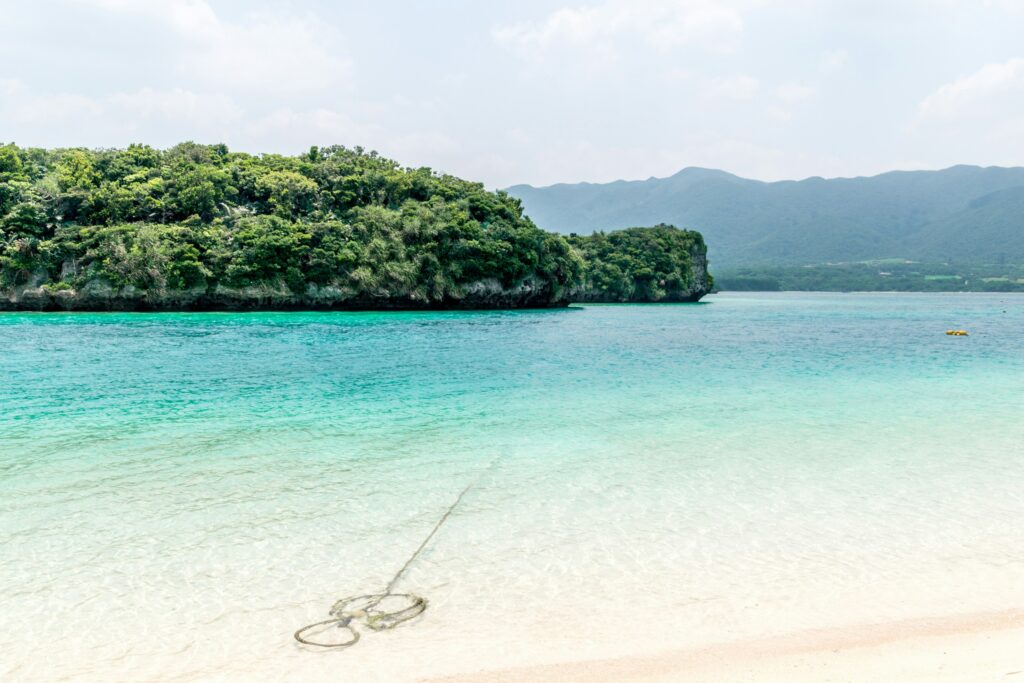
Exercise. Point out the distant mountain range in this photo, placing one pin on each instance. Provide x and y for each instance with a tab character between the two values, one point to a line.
963	214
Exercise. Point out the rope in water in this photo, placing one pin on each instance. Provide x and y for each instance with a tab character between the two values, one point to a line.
367	610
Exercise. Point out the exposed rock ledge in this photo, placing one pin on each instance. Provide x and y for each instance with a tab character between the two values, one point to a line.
101	296
98	295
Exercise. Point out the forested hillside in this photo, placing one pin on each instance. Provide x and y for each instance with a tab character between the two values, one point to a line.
963	214
655	264
201	227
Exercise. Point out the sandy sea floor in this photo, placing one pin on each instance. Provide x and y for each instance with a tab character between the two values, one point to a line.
763	487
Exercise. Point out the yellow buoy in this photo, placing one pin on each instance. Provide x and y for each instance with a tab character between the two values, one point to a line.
957	333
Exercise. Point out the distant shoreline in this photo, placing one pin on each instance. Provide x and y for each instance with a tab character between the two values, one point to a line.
891	275
495	299
861	291
122	306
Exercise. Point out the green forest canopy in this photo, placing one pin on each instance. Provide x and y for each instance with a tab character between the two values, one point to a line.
195	215
963	215
643	264
201	216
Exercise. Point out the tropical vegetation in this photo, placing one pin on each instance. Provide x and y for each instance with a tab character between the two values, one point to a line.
890	275
662	263
201	226
200	216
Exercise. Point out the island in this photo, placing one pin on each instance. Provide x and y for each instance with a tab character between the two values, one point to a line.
199	227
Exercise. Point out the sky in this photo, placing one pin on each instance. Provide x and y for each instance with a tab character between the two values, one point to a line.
530	91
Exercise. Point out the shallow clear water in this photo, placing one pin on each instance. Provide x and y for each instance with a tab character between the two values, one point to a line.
182	491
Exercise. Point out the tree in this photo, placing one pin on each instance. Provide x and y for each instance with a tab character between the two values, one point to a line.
194	217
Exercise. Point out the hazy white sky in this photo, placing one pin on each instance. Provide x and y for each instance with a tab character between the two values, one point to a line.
535	91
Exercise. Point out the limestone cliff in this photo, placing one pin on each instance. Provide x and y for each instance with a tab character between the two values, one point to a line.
101	296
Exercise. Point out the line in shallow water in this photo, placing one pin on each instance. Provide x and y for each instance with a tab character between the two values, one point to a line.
768	463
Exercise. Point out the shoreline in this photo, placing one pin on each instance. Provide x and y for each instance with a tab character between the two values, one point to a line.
970	647
40	301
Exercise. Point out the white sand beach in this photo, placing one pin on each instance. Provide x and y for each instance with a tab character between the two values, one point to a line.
968	649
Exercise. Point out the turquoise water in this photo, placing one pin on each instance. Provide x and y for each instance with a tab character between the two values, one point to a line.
182	491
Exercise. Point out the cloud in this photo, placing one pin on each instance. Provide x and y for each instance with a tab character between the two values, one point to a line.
300	129
147	114
780	114
961	96
287	130
969	94
11	87
270	52
833	61
659	23
1005	4
980	111
191	18
735	88
36	109
178	104
147	103
787	98
791	93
